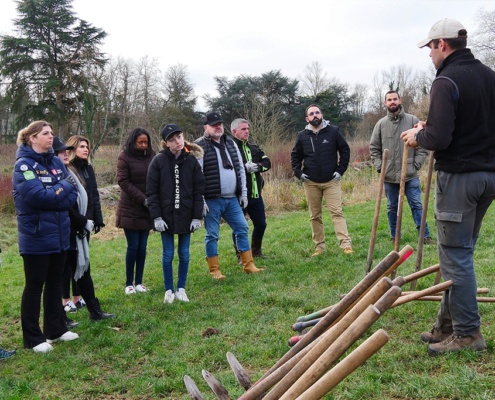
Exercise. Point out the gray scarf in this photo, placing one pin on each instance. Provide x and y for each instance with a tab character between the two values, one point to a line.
81	242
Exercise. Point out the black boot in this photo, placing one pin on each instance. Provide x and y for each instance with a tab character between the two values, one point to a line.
69	322
256	248
95	312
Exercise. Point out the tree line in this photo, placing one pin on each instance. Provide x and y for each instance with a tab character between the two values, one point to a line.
54	69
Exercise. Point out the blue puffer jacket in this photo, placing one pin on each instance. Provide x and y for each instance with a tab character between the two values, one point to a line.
42	198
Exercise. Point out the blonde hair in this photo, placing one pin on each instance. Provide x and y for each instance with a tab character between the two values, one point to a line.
31	130
75	141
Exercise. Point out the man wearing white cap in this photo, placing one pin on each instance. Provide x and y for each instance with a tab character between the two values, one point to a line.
461	130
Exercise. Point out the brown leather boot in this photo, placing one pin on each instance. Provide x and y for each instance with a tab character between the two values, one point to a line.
436	335
455	342
238	255
247	261
214	267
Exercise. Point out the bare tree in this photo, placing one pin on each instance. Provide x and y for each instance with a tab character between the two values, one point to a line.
483	41
359	99
314	80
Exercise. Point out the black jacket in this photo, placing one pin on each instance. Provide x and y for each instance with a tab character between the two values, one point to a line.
320	155
461	119
174	188
86	173
251	152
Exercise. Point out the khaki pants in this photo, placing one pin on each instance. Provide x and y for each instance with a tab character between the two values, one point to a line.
332	193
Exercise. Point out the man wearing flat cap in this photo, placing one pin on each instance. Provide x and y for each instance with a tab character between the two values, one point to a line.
461	130
225	193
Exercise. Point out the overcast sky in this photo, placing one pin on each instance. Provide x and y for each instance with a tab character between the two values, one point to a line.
352	39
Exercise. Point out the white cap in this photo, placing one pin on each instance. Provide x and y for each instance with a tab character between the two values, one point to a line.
447	28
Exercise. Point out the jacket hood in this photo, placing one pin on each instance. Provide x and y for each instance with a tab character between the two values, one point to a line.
324	124
26	151
195	149
392	116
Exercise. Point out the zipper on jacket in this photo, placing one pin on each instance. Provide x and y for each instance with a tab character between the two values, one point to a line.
312	145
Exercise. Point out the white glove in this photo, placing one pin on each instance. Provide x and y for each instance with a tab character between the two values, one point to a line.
195	225
243	201
160	224
206	210
336	176
90	224
305	178
251	167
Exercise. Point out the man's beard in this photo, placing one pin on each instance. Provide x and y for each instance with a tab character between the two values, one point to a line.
316	122
393	109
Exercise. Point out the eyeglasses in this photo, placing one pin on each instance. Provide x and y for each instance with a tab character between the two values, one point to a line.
217	124
314	113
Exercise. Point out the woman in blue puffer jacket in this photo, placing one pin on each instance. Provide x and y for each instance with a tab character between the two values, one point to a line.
43	193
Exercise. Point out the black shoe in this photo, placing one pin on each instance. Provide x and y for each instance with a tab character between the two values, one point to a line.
70	322
95	312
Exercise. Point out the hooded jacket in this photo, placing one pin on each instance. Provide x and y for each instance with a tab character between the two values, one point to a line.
42	199
386	135
175	187
132	169
319	155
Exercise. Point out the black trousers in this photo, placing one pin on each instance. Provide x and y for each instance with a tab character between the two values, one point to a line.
43	275
85	282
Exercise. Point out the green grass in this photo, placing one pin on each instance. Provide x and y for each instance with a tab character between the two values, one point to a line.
147	349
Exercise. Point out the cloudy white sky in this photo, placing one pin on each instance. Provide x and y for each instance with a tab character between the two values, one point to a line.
352	39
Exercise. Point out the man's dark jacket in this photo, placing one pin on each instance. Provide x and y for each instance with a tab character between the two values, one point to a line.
320	155
461	121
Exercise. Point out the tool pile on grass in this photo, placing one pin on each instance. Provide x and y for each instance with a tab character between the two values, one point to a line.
309	370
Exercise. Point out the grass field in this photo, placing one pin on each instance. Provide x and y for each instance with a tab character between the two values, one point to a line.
147	349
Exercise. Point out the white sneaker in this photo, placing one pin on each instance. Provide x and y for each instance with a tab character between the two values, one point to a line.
181	295
70	307
43	348
141	288
129	290
66	337
169	297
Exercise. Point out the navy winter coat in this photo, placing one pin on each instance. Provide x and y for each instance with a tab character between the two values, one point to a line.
42	197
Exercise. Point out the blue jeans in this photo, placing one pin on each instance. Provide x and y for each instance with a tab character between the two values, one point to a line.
413	195
461	202
135	255
168	257
230	210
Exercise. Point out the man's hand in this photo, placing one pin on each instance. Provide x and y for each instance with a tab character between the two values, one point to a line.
410	135
336	176
195	225
251	167
160	224
305	178
243	201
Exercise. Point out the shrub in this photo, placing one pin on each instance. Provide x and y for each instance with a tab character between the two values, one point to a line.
6	199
